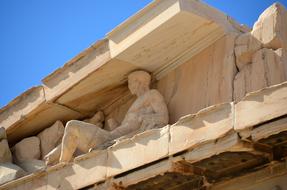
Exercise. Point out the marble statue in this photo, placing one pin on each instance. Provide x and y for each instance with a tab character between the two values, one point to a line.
148	111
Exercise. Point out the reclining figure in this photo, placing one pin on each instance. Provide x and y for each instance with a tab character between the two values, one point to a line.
148	111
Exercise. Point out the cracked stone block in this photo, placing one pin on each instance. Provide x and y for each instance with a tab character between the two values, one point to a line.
207	125
245	46
267	69
271	27
137	151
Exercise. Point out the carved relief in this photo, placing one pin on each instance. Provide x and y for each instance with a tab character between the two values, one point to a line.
148	111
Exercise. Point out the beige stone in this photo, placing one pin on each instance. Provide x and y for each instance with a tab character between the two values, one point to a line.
53	156
27	149
144	148
115	112
147	112
31	166
267	69
5	153
204	80
97	119
161	33
282	54
242	83
195	66
2	133
85	171
260	107
245	46
214	122
51	137
271	27
94	78
9	172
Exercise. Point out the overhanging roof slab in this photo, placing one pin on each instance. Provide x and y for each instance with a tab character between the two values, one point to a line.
159	35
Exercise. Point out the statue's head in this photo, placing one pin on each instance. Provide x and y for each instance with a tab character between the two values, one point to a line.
139	82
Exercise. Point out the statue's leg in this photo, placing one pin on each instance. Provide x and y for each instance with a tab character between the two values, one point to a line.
69	142
79	134
53	156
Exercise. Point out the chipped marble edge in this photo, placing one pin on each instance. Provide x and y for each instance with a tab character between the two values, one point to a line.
202	112
261	91
249	96
93	154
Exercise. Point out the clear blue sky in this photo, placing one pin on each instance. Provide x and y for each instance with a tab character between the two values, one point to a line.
37	37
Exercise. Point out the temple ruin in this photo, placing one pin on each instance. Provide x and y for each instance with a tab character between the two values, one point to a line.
179	96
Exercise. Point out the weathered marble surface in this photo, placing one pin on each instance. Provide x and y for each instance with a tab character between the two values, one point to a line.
261	54
148	111
245	46
204	80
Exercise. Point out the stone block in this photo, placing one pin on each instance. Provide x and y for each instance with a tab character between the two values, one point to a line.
242	83
271	27
204	80
282	54
3	133
51	137
27	149
137	151
267	69
260	107
245	46
9	172
207	125
5	153
86	170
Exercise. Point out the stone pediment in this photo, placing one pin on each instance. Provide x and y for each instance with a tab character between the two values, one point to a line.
222	86
215	147
158	38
